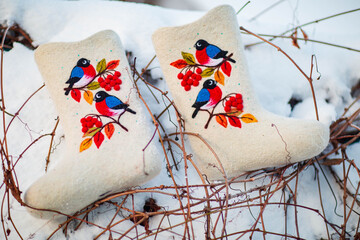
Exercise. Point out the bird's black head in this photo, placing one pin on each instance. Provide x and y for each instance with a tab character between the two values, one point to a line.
100	96
209	84
83	62
201	44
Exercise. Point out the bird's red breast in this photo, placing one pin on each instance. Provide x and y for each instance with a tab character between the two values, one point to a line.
103	109
202	56
89	71
215	95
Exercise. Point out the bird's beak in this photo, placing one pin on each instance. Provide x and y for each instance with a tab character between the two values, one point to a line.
195	45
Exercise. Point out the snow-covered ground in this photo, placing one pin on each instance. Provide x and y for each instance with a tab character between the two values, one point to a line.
275	79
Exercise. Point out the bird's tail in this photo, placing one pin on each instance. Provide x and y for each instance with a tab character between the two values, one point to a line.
195	112
130	110
69	89
231	60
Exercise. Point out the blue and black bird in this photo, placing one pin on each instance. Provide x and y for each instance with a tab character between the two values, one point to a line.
81	75
210	55
109	105
208	96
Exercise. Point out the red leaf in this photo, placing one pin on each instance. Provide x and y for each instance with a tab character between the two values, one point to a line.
109	130
179	64
234	121
226	68
76	95
112	64
98	139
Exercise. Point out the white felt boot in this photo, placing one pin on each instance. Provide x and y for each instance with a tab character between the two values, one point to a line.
204	67
106	124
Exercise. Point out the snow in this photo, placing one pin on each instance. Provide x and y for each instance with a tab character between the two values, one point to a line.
275	79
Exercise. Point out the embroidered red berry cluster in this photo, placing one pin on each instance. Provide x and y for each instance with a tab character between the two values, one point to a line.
90	122
111	81
190	78
234	103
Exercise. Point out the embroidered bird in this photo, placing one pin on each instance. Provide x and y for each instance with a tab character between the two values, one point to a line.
109	105
208	97
81	75
210	55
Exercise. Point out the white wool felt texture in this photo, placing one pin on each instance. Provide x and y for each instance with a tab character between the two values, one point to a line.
272	141
120	163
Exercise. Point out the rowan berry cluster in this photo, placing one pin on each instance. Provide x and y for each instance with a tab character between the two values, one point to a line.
89	122
234	103
190	78
111	81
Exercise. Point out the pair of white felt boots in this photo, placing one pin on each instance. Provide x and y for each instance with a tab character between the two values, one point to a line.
107	126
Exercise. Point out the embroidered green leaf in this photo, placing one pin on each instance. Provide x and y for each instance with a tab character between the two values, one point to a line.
222	120
93	85
101	66
91	132
189	58
89	97
248	118
85	144
219	77
207	72
234	112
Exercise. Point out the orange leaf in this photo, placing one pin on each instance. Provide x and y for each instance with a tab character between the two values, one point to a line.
112	64
222	120
85	144
248	118
226	68
89	97
235	122
98	139
219	77
294	39
179	64
76	95
109	130
305	35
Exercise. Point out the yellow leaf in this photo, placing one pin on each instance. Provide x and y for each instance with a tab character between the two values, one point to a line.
85	144
89	97
101	66
207	72
248	118
93	85
222	120
219	77
188	57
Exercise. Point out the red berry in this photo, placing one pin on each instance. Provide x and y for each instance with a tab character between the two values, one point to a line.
108	88
238	96
103	84
84	129
83	120
100	80
183	83
228	103
88	119
234	104
98	124
187	88
180	76
186	77
190	82
118	81
94	120
227	109
239	100
116	87
232	99
193	76
109	77
89	124
112	83
107	80
117	74
198	70
195	83
239	107
198	77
